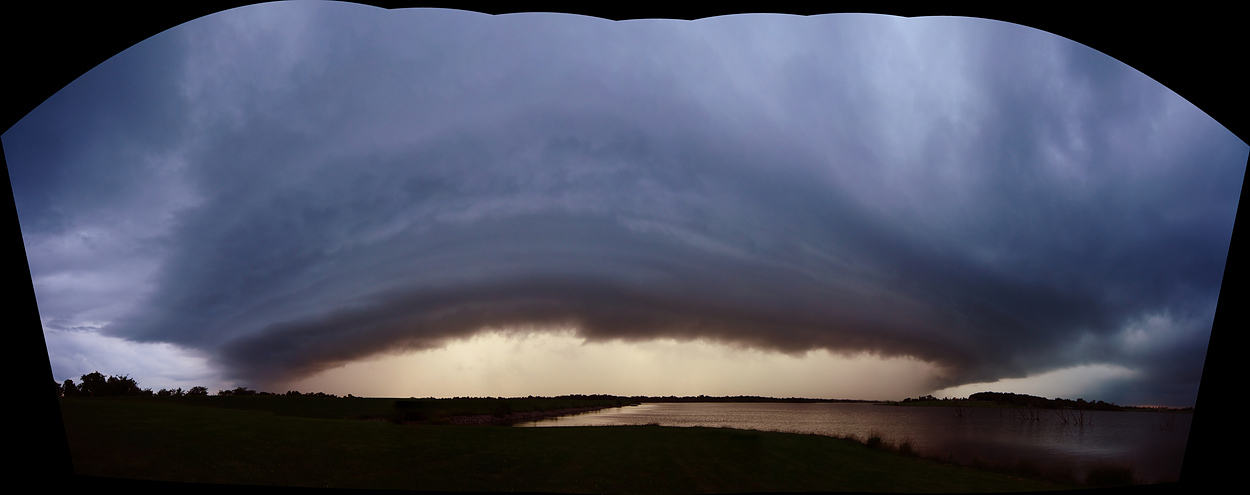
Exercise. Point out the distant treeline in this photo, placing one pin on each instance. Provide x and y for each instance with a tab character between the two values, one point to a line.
1021	400
1044	403
289	393
95	384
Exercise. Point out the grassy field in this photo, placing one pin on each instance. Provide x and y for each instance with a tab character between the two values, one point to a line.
172	441
432	411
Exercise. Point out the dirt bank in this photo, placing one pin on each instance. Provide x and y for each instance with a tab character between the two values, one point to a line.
520	417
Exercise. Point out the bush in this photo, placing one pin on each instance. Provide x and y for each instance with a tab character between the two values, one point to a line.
906	447
1108	475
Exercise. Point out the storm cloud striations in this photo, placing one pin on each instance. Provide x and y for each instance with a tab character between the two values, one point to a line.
297	186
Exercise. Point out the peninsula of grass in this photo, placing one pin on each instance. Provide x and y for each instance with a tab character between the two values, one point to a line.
178	441
431	411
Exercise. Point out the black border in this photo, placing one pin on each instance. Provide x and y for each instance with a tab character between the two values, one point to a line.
1201	55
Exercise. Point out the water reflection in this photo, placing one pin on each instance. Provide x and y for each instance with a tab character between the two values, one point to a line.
1152	443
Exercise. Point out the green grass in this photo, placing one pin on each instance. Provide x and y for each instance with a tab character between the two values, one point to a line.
434	410
165	440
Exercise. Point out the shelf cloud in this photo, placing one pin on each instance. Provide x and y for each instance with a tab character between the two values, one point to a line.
292	187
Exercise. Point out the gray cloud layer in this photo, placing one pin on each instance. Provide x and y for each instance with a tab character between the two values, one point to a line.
317	183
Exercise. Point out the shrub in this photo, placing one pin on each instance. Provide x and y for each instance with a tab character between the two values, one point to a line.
874	440
906	447
1109	475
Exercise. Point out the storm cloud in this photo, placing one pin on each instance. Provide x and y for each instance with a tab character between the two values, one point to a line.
290	187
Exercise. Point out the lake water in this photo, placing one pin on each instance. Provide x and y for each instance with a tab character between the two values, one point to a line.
1152	443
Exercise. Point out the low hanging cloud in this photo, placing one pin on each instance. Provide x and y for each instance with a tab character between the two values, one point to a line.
316	183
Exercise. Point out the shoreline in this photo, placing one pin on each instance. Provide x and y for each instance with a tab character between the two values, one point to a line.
514	418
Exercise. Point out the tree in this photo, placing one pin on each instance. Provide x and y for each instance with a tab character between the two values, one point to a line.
241	391
122	385
69	389
197	391
94	384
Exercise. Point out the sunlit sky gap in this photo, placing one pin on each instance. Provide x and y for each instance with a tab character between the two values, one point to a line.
332	197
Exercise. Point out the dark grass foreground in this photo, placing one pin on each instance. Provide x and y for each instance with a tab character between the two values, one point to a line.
153	440
426	411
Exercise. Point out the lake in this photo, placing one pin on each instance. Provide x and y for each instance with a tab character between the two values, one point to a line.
1153	443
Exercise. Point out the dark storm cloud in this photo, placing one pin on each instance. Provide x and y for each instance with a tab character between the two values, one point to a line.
128	110
982	196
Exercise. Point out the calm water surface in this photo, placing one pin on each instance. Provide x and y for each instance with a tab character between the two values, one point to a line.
1142	439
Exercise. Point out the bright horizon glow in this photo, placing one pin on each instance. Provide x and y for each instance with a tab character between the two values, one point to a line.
500	364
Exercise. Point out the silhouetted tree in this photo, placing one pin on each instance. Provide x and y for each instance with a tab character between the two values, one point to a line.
122	385
93	384
197	391
69	389
60	391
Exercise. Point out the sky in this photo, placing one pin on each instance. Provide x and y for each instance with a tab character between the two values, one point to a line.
333	197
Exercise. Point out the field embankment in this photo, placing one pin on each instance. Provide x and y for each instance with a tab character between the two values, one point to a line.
420	411
160	440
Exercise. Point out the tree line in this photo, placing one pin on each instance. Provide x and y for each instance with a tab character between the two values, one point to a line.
95	384
1044	403
1021	400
